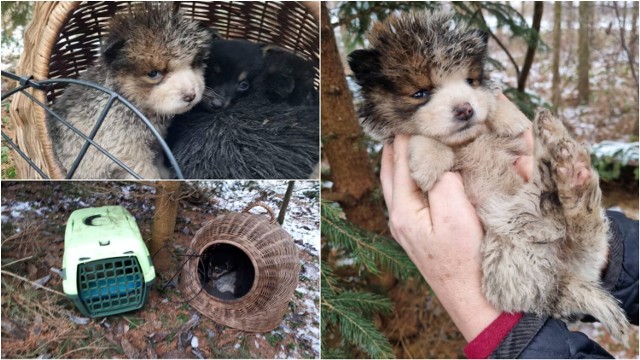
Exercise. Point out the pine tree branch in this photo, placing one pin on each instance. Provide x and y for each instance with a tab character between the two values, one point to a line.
352	241
362	333
367	303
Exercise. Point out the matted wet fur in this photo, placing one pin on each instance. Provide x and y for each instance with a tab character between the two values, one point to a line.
546	239
152	56
254	138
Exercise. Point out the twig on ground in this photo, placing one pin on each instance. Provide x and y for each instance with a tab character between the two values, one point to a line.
32	283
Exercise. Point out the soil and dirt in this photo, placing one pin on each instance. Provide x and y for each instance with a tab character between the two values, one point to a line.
39	322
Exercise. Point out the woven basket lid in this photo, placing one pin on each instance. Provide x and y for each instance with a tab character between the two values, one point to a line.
274	257
63	39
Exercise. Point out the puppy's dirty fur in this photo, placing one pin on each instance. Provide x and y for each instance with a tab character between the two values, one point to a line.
252	139
546	239
153	57
258	136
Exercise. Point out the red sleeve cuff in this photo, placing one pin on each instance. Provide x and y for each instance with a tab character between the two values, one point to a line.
488	340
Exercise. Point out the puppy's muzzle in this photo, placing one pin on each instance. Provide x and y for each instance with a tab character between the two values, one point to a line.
463	112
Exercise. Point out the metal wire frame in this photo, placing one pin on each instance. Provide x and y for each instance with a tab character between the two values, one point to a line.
26	83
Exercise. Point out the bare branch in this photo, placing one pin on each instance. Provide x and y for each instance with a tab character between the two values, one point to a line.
625	48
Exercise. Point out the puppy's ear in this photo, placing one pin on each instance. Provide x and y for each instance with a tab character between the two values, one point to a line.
112	50
365	65
483	35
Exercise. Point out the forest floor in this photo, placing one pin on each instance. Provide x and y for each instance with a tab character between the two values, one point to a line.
44	324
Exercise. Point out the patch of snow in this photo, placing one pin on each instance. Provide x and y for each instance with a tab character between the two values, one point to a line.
312	271
624	151
302	290
344	262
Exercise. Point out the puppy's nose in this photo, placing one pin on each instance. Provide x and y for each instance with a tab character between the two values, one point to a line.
188	97
463	112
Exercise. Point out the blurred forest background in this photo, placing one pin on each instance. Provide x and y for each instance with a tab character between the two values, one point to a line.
578	58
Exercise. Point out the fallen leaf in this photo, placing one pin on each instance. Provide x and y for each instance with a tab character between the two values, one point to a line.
43	280
37	325
128	349
56	271
197	353
151	352
13	329
77	319
177	355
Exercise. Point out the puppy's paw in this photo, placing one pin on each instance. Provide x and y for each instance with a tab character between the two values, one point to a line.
428	159
547	128
577	183
422	174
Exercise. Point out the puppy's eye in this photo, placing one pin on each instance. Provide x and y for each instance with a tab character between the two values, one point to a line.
421	94
470	81
155	74
243	86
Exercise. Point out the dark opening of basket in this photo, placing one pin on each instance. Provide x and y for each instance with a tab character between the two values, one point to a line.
235	264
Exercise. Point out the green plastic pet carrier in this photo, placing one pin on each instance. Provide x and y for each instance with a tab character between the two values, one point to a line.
106	266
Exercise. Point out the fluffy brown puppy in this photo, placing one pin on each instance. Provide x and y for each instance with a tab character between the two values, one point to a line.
152	56
546	239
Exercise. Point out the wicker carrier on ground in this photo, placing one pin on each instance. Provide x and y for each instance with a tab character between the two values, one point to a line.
269	253
64	39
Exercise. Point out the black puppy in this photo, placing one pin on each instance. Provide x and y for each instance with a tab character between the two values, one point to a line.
254	138
288	77
231	69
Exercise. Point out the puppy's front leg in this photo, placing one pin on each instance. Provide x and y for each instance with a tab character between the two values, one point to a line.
428	159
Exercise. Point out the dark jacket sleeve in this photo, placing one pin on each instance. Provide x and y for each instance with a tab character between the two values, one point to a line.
545	337
621	276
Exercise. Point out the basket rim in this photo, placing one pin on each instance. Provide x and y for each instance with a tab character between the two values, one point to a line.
256	270
44	36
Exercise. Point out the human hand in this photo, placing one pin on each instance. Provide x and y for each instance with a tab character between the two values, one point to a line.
443	240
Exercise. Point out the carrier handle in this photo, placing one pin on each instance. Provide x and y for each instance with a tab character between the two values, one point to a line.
251	205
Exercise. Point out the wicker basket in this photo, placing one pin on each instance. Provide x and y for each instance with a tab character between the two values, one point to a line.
273	258
64	39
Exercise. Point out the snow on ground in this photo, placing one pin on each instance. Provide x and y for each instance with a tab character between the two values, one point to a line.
302	214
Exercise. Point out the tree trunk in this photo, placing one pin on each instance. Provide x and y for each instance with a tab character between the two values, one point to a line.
538	7
584	10
569	18
633	41
354	182
556	92
633	49
164	223
285	202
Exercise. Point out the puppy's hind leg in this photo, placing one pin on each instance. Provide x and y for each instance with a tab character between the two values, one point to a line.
586	228
578	296
579	195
